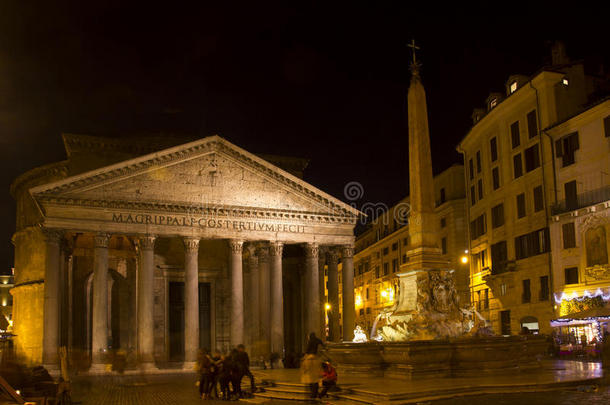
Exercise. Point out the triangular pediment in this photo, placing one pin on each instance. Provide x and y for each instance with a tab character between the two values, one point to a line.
208	174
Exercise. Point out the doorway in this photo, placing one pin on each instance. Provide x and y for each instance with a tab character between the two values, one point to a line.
176	319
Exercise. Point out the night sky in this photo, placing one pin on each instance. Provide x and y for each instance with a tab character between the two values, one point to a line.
326	81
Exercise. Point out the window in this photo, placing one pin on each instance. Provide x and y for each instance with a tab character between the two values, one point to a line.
514	134
505	322
569	235
532	124
444	245
544	288
386	269
532	244
497	216
480	187
566	147
495	177
493	102
482	258
521	205
361	311
503	289
478	161
478	227
607	126
367	293
493	146
377	272
538	200
368	310
527	294
479	300
571	275
443	222
394	246
565	81
367	266
571	195
486	298
443	195
532	158
385	251
518	166
405	241
404	259
473	197
471	169
499	257
513	87
394	265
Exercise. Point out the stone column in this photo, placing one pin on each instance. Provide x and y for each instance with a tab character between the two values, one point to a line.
264	300
50	344
277	299
146	326
99	323
253	285
191	301
333	295
312	289
347	278
237	293
321	288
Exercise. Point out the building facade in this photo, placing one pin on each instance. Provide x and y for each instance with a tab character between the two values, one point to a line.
159	251
511	191
381	250
580	226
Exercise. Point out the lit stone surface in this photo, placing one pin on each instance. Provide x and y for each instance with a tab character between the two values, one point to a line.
135	282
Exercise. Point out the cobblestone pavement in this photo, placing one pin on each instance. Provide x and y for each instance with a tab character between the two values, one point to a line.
138	390
573	397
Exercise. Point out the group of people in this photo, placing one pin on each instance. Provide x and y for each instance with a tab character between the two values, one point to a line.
314	371
226	370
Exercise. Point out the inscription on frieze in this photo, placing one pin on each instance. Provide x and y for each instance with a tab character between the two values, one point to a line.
205	222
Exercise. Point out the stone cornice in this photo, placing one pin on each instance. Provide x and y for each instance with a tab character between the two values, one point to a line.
189	151
52	169
186	208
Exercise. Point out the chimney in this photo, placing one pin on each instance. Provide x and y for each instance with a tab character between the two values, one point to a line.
558	53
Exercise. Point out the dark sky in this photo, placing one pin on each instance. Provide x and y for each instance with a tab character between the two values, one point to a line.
326	80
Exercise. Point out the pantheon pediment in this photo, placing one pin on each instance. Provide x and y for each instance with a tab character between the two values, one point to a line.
205	180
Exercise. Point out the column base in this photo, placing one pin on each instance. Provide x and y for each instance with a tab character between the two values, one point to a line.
100	368
189	366
148	366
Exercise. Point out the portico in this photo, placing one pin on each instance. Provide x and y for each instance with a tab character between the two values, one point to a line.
172	251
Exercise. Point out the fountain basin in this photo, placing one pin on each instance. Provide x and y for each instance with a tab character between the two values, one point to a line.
361	359
468	356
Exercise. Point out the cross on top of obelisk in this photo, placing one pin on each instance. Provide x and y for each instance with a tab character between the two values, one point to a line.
415	64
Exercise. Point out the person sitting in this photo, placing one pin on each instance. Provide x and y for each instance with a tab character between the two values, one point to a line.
329	378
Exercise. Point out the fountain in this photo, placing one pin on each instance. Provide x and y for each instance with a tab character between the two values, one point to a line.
426	332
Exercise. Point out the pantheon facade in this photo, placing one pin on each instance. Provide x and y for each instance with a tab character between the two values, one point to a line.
156	250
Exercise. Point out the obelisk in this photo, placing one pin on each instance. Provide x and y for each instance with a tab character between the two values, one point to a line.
426	307
424	252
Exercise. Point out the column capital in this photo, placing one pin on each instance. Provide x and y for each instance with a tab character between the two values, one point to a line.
191	244
311	250
147	242
100	240
236	246
52	235
262	251
276	248
333	255
347	251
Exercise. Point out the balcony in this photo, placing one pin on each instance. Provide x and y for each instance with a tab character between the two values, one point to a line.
503	267
582	200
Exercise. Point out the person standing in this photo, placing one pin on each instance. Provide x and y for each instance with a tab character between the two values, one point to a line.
313	343
243	366
205	373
